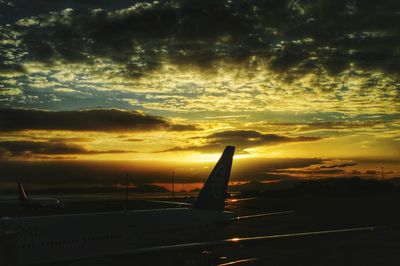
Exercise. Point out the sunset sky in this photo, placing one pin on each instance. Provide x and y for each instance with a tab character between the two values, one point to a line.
90	90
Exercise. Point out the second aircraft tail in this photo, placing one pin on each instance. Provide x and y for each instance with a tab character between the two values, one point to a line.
21	192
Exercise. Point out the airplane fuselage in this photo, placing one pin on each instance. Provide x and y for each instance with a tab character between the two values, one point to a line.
71	237
29	240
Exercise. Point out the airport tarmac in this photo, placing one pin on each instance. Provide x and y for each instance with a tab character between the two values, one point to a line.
377	247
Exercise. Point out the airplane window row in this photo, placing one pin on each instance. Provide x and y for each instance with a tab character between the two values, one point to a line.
59	242
72	241
103	237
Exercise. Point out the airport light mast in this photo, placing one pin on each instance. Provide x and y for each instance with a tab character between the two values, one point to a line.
173	184
126	192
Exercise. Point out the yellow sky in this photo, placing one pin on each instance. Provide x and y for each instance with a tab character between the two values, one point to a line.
88	88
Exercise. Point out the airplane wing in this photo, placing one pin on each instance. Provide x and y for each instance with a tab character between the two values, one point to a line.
224	242
246	217
237	218
186	204
234	200
177	203
238	240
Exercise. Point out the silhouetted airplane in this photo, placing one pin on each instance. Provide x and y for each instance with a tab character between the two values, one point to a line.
37	202
71	238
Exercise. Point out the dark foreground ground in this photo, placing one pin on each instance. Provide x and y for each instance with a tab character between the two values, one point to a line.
378	247
312	213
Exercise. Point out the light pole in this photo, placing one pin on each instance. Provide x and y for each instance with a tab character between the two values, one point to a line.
126	191
173	184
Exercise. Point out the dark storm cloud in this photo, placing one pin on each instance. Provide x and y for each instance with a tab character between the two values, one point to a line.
312	171
106	120
242	139
265	169
250	138
338	165
9	149
11	69
293	35
133	140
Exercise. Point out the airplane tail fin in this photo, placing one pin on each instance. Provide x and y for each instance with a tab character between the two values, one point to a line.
213	194
21	192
